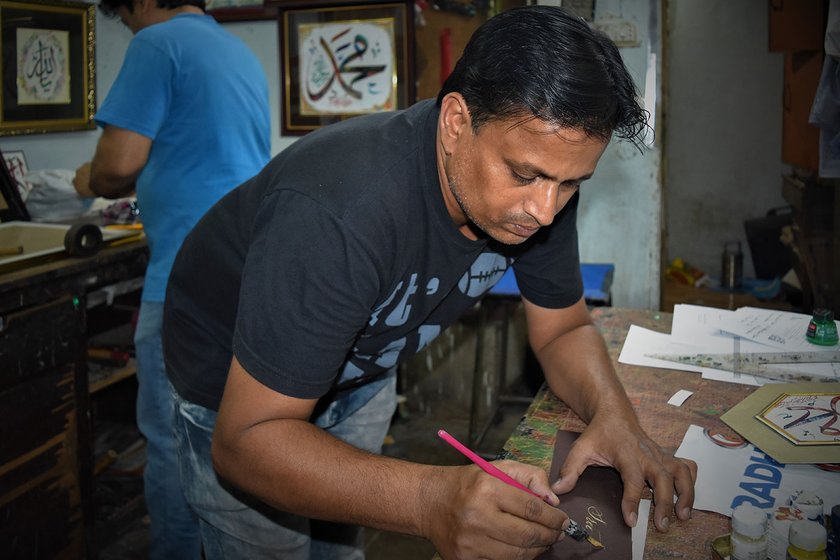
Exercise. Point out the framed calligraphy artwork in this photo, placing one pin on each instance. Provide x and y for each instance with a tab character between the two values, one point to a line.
48	67
805	418
341	60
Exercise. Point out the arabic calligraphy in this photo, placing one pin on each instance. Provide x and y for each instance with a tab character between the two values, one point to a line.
347	67
594	520
42	66
805	419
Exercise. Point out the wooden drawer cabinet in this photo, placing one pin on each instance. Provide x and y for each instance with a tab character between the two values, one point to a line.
46	448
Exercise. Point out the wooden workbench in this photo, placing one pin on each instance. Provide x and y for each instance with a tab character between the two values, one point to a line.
649	390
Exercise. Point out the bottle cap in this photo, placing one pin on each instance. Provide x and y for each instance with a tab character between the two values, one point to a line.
749	520
807	535
823	314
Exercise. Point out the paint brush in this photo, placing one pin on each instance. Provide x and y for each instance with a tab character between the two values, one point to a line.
574	529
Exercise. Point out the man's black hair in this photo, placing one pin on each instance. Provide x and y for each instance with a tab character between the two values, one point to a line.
110	7
540	61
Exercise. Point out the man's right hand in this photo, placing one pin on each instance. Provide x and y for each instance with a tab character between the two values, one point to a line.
474	515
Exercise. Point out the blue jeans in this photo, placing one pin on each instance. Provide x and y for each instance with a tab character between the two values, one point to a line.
174	527
235	525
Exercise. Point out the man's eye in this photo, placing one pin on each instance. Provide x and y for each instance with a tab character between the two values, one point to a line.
522	180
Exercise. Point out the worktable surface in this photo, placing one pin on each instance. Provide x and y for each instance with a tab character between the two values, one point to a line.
649	390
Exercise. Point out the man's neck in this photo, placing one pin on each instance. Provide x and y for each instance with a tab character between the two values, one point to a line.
159	15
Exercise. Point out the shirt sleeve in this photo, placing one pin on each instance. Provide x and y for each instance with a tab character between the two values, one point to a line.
140	97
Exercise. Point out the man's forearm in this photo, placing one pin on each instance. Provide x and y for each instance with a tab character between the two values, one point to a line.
297	467
579	371
109	185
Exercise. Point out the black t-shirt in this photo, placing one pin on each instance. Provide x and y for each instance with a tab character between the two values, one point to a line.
338	261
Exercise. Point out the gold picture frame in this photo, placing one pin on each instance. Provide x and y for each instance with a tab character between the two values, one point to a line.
48	66
342	60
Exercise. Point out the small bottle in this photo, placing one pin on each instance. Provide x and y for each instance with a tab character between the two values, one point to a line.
807	541
777	537
821	329
749	533
810	504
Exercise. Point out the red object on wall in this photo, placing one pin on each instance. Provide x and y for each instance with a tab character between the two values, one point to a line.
445	54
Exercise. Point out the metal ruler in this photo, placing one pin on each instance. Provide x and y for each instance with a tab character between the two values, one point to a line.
753	363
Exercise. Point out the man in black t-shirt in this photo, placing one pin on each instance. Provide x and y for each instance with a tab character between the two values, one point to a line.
296	296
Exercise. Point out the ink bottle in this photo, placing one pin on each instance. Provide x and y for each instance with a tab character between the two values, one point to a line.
810	504
749	533
807	541
821	329
777	539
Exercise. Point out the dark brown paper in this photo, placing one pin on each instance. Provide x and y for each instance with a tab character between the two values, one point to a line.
595	503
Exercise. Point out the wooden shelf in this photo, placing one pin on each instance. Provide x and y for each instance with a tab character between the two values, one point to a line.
101	377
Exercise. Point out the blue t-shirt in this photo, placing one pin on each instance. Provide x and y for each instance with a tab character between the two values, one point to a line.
201	95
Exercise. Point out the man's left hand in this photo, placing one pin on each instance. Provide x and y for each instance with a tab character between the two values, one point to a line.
81	181
640	462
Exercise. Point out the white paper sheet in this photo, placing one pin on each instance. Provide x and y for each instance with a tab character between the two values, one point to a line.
639	533
780	329
680	397
641	341
707	330
727	477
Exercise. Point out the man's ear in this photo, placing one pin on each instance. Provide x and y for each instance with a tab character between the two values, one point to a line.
454	120
141	6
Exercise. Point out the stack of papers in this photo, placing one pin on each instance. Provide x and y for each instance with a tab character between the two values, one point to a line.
707	330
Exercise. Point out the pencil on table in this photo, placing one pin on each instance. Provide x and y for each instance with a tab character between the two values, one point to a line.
8	251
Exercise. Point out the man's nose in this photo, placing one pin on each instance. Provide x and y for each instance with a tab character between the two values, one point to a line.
545	202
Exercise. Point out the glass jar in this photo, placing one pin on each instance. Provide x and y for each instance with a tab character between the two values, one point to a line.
749	533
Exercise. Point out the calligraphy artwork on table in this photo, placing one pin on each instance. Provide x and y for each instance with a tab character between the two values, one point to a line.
595	504
341	61
48	66
805	418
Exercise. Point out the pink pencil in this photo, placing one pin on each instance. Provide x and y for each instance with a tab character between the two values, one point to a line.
574	530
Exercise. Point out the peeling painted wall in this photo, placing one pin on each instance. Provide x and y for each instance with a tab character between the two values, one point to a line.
621	206
725	128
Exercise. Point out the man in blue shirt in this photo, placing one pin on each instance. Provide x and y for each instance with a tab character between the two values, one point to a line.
186	121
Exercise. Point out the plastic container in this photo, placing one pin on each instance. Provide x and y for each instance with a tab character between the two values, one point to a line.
780	522
749	533
810	504
807	541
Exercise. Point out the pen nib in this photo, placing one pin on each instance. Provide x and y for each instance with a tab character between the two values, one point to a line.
594	542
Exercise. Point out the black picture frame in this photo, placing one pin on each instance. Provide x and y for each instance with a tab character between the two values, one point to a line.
48	66
371	71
